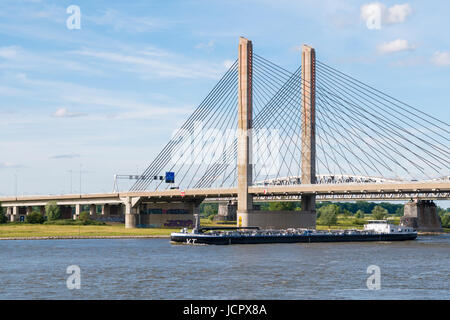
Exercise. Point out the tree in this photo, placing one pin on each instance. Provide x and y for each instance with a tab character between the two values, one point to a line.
34	217
282	206
379	213
399	212
445	221
329	214
52	211
84	216
359	214
3	218
346	212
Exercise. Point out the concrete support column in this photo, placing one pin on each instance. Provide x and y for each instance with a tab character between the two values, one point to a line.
308	164
77	211
131	218
42	210
105	210
93	210
421	215
9	213
244	149
15	214
29	210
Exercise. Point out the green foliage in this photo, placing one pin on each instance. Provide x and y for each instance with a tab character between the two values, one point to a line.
346	212
399	212
70	222
445	220
207	209
359	214
84	216
379	213
35	217
365	206
3	218
329	214
358	221
282	206
52	211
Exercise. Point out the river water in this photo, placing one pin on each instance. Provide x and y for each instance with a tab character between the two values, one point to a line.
156	269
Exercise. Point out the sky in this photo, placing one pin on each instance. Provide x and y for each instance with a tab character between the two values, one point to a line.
105	95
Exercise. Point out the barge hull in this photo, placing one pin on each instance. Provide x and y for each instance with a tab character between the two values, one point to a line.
221	240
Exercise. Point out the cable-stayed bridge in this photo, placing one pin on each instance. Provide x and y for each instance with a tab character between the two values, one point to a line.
264	132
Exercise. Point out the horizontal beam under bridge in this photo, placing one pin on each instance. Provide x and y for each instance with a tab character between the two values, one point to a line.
409	188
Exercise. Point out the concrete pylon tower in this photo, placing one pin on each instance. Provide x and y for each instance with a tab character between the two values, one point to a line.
308	165
244	146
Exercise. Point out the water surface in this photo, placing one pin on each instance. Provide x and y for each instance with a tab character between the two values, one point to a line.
156	269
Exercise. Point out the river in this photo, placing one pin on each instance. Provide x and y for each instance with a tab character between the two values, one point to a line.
156	269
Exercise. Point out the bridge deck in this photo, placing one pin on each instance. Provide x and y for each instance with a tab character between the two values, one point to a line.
442	189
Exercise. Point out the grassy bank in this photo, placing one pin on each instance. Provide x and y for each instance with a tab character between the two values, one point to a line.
39	230
24	230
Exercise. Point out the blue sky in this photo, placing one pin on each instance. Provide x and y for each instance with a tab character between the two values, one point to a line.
109	95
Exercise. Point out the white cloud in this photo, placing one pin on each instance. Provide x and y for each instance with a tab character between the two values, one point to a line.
398	13
66	156
119	21
395	46
64	113
376	14
9	52
160	65
441	59
208	46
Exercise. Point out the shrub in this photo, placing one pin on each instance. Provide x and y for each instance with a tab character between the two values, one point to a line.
35	217
84	216
52	211
282	206
359	214
70	222
359	222
3	218
346	213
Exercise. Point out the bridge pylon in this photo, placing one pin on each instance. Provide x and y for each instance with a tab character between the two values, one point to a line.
308	154
244	145
247	215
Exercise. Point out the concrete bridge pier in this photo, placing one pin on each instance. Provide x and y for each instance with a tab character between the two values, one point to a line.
226	212
131	216
106	210
422	216
15	214
76	215
92	210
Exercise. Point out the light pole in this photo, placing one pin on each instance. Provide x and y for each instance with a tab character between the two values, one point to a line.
80	177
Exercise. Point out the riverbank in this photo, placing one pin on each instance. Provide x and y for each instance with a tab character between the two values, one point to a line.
25	231
39	231
87	237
